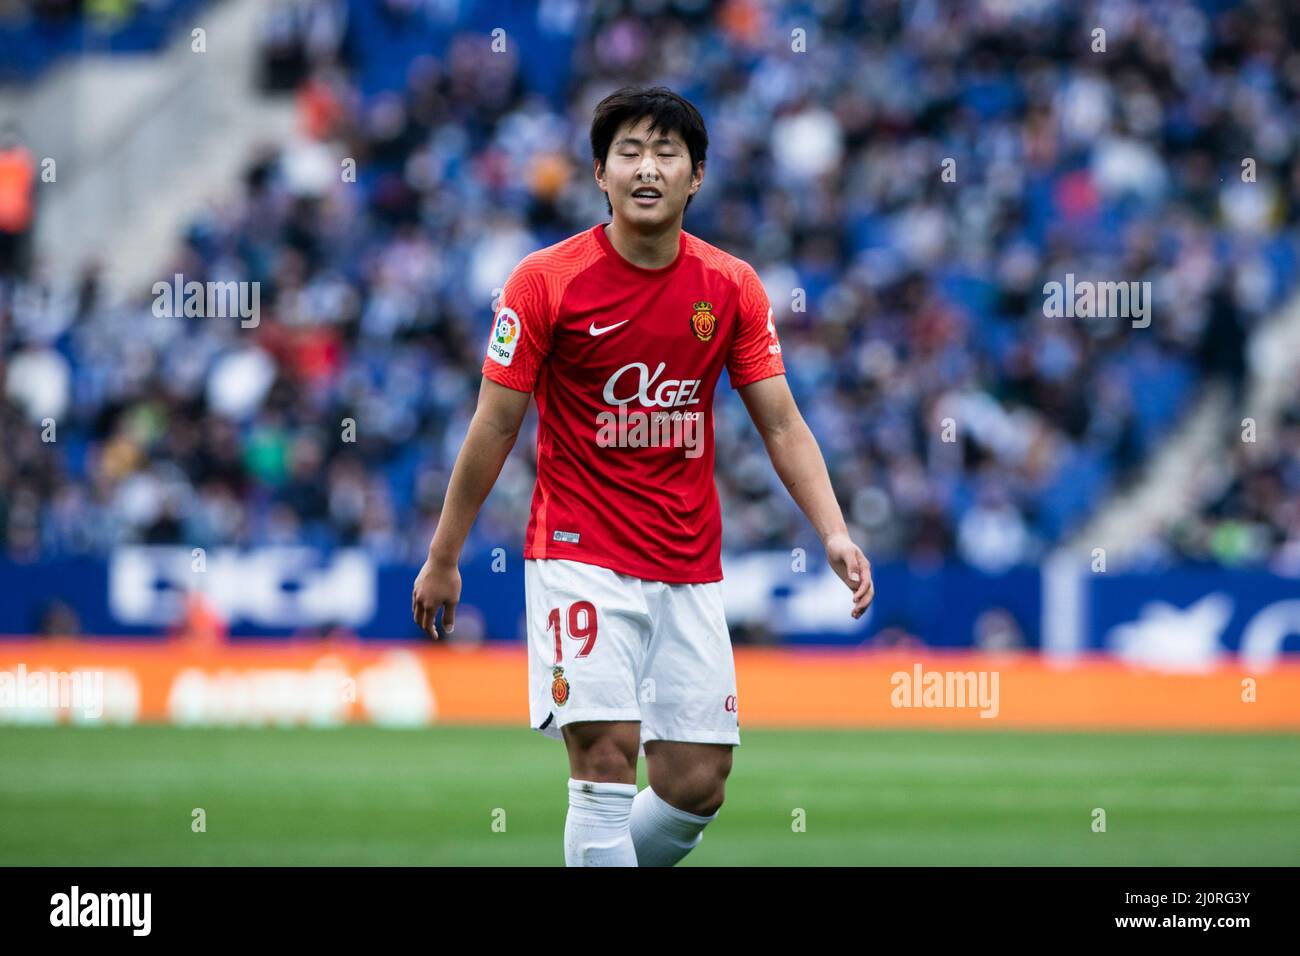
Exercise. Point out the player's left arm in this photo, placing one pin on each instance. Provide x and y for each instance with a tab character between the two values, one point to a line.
798	461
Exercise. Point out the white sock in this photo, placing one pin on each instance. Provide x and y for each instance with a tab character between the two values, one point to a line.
596	830
661	833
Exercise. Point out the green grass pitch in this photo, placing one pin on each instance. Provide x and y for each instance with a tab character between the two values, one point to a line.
362	796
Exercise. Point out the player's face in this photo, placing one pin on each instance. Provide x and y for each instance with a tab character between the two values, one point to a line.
640	160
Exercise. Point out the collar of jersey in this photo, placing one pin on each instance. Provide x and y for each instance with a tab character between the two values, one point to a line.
619	260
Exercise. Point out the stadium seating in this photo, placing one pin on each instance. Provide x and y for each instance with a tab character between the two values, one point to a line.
923	300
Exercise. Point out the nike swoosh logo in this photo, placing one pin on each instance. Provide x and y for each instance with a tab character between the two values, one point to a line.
609	328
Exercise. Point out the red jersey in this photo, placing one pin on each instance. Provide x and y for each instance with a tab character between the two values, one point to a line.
623	362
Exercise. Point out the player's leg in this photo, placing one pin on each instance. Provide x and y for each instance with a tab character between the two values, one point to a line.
587	630
685	793
687	776
604	750
689	723
602	785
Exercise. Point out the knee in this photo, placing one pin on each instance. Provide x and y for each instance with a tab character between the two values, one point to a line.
700	791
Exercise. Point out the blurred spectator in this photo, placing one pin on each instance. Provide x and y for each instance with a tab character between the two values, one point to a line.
58	619
1252	517
17	204
200	624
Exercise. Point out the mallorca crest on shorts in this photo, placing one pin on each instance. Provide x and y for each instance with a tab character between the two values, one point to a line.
559	686
703	323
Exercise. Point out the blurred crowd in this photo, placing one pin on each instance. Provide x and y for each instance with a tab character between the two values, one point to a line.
905	180
1251	501
35	34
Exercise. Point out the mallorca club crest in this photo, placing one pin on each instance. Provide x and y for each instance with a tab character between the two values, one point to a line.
559	686
703	323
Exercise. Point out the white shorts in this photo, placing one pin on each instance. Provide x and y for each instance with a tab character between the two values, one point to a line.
628	649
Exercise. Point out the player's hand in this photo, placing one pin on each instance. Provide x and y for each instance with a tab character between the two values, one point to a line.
436	586
854	570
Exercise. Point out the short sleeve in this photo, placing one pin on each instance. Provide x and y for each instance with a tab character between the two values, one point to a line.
755	350
521	330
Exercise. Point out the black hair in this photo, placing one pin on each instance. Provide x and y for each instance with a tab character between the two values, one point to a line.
668	113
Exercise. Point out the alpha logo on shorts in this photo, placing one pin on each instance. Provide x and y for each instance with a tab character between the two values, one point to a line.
505	336
729	705
559	686
703	323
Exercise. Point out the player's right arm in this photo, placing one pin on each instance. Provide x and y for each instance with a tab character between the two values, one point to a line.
492	433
